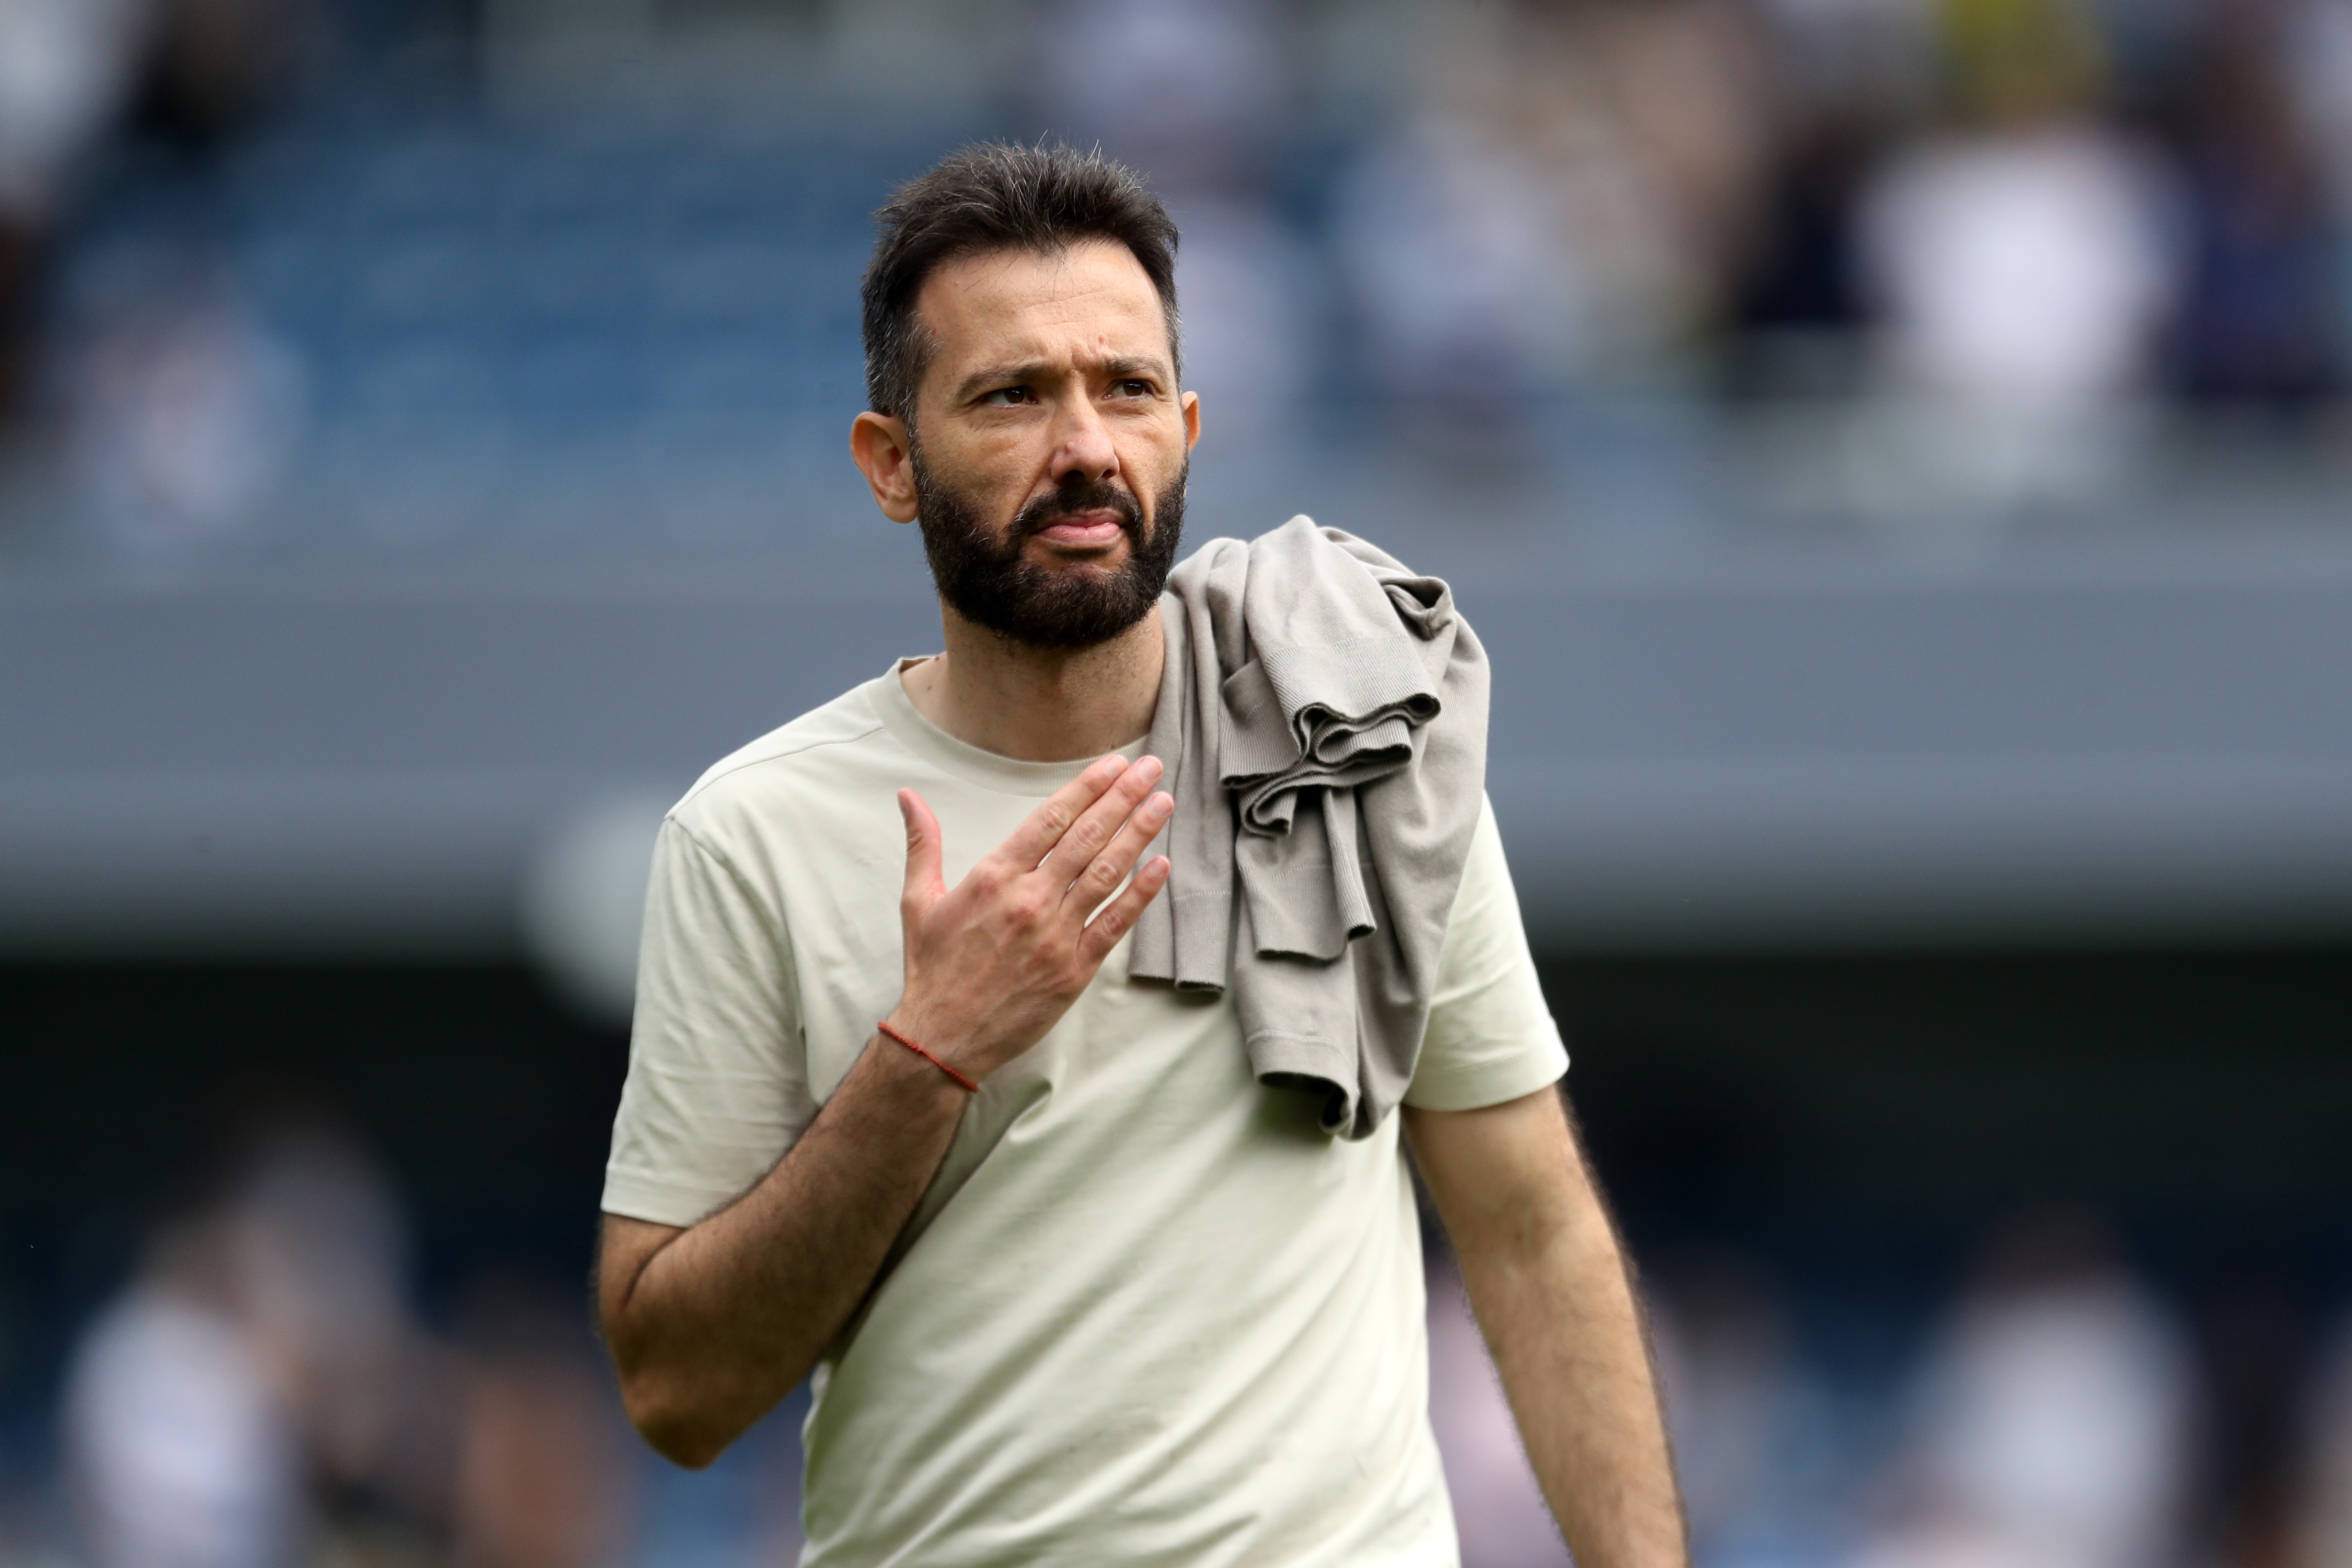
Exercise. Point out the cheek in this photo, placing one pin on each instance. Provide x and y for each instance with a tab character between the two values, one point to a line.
990	471
1153	458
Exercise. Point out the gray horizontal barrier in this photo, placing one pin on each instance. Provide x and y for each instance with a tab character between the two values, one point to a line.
1784	759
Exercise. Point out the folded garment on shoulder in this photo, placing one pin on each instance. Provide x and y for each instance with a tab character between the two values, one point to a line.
1323	720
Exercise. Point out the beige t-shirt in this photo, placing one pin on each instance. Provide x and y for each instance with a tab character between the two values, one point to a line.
1148	1312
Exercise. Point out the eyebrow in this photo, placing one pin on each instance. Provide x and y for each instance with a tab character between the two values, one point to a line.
989	377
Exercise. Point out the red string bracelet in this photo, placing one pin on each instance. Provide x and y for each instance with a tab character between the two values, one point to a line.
966	1084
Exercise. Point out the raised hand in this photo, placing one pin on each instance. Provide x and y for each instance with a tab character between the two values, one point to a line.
994	963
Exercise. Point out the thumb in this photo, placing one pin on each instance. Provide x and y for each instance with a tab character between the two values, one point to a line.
925	880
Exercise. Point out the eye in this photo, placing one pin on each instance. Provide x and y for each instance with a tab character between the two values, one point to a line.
1132	386
1008	397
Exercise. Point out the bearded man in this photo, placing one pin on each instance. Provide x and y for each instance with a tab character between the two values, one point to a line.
1076	1283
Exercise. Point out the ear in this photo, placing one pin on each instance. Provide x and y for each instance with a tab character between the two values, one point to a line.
884	452
1191	420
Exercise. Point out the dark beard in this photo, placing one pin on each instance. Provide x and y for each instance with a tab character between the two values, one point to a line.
990	583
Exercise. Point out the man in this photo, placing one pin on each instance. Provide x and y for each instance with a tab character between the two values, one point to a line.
1075	1286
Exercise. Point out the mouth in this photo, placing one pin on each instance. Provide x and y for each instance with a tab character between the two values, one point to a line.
1089	531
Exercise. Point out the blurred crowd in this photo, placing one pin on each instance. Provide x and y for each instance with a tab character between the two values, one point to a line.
2056	1411
262	1392
2021	211
80	78
266	1391
246	241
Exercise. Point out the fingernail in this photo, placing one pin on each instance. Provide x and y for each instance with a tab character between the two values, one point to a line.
1150	765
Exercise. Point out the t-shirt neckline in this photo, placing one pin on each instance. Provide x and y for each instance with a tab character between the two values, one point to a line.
1005	774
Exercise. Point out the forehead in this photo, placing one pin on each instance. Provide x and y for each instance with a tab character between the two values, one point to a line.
1086	300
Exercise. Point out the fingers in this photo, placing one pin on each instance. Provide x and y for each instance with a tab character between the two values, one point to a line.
926	879
1034	839
1117	917
1105	871
1068	859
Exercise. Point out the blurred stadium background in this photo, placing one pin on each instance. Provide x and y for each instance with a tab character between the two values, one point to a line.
1897	452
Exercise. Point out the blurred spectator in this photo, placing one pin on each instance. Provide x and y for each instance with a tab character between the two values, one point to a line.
2027	266
1498	1509
1797	308
545	1473
182	1440
1677	95
261	1395
1193	95
2258	323
1844	76
2019	267
194	71
183	411
65	68
1680	89
1561	208
2053	1421
321	1250
259	1392
1469	299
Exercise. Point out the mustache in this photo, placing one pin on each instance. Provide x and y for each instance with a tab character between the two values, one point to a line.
1079	495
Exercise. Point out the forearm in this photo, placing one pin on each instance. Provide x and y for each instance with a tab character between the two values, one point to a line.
1565	1334
1549	1284
725	1318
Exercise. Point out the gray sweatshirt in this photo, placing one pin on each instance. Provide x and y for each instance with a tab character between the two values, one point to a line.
1323	721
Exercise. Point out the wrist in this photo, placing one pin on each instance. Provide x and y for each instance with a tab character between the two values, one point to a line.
941	1032
902	1033
918	1090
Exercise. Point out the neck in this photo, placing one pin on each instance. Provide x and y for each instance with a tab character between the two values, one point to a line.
1041	704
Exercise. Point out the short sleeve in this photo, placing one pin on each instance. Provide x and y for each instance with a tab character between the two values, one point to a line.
1491	1037
718	1084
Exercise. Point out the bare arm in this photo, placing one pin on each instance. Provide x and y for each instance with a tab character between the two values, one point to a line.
1548	1282
711	1325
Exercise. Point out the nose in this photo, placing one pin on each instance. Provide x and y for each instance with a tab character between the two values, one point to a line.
1083	446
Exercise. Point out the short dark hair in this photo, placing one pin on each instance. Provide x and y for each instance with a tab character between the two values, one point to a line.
998	196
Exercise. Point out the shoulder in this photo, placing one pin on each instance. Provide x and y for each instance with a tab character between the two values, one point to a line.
790	770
